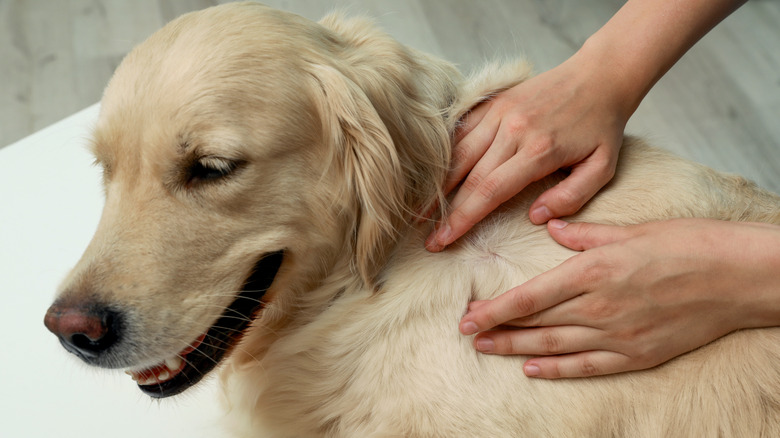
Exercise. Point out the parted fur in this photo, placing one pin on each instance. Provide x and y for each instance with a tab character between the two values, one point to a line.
344	136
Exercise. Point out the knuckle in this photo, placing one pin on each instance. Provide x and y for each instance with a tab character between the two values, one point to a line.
460	155
518	125
541	146
600	310
588	367
595	270
524	305
472	182
489	188
510	344
551	343
569	200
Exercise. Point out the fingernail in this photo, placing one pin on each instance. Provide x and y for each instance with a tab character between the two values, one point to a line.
485	345
541	215
531	370
438	239
557	224
469	328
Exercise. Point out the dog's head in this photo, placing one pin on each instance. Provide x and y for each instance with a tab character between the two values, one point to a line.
246	153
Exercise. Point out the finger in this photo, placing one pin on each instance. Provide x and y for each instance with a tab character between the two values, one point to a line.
490	194
543	341
569	195
482	193
531	159
541	292
474	305
497	155
584	364
568	312
471	120
470	146
496	188
583	236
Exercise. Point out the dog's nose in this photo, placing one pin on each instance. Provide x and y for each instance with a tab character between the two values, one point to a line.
86	332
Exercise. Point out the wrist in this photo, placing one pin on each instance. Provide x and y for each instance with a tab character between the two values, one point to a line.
762	282
623	83
742	262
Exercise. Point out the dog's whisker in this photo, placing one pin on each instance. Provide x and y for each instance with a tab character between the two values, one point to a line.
237	295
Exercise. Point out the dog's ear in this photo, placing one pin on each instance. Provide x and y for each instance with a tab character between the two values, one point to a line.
364	155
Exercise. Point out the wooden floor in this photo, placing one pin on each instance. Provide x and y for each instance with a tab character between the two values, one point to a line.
720	105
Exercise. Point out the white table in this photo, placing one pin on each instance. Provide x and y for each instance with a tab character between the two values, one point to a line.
50	204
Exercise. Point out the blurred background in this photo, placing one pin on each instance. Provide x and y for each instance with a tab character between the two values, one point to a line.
720	105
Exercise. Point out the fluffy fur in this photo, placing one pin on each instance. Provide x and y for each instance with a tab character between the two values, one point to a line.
342	136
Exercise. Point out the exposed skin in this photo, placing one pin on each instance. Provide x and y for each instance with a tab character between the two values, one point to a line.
636	297
573	117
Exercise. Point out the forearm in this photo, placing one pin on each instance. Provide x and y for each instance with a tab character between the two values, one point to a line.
751	259
645	38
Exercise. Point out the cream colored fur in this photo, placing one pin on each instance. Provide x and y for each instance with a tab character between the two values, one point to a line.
345	136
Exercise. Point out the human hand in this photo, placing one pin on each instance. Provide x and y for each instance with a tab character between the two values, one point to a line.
636	297
572	116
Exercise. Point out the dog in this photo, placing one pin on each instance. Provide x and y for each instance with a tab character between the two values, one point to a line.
263	179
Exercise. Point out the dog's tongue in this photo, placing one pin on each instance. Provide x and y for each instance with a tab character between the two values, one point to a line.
166	370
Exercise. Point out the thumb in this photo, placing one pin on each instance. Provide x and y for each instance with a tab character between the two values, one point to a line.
568	196
583	236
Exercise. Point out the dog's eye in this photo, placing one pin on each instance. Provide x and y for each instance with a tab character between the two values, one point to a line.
210	169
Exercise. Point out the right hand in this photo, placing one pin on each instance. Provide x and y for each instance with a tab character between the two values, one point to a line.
635	297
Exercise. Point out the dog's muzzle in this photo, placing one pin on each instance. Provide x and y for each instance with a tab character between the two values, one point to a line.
91	331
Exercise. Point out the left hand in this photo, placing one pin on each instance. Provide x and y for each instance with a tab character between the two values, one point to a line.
636	297
572	116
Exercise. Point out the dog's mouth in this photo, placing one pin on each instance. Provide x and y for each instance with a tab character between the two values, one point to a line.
183	370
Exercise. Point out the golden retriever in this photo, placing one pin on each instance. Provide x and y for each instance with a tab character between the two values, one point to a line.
263	175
